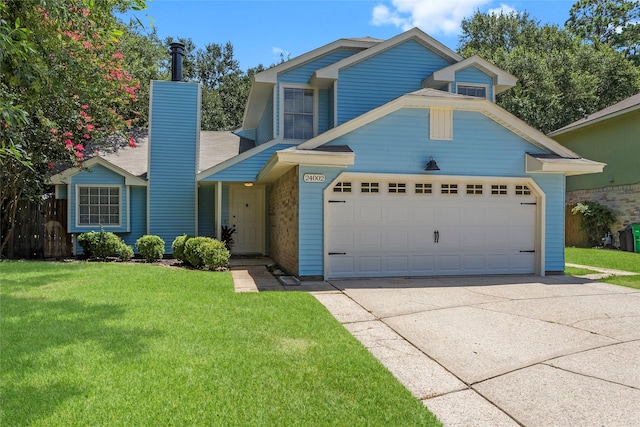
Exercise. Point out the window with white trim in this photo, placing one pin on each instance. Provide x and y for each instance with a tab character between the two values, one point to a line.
342	187
472	90
397	187
423	188
99	205
474	189
498	189
298	113
369	187
449	189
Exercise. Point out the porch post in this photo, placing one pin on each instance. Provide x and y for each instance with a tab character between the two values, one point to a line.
219	210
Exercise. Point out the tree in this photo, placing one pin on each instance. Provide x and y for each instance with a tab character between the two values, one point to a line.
560	78
225	87
615	23
63	84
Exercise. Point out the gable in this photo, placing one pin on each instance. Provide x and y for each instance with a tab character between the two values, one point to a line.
378	79
399	143
302	73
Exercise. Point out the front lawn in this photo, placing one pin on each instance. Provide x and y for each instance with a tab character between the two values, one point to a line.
606	258
130	344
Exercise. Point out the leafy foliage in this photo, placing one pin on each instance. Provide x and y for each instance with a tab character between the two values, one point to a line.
225	87
177	247
560	78
151	247
206	252
615	23
596	220
64	83
227	236
104	244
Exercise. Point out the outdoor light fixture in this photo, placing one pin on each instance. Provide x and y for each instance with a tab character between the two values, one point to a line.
248	184
432	165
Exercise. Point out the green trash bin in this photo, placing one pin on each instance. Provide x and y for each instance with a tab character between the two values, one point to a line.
635	228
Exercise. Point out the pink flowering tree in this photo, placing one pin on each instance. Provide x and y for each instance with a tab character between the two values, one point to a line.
64	85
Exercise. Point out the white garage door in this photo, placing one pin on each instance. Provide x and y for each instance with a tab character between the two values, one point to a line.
414	227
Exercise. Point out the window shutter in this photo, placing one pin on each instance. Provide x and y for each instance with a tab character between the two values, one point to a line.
441	123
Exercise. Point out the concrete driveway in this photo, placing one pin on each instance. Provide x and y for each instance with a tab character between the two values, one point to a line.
502	351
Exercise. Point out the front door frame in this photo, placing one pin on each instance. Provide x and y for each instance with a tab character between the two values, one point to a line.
234	190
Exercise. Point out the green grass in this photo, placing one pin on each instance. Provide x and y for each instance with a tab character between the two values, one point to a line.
606	258
130	344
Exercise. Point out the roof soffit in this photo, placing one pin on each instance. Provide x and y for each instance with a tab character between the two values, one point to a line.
64	176
331	71
502	79
423	100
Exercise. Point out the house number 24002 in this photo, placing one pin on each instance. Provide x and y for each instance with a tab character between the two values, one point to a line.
313	177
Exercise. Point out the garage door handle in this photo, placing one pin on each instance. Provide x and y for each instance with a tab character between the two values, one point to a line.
337	253
436	236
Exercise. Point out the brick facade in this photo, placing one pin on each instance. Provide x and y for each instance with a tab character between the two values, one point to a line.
283	220
623	199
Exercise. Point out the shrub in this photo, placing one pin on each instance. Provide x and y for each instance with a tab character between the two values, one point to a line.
215	254
206	252
596	220
177	247
151	247
125	253
100	244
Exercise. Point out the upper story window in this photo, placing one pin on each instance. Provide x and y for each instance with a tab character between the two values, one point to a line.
472	90
298	113
98	205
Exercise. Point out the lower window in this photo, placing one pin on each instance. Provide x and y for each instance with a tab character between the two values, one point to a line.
98	206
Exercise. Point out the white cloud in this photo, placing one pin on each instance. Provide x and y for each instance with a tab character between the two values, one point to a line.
279	53
432	16
502	10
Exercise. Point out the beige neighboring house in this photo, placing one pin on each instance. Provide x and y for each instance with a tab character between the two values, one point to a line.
610	136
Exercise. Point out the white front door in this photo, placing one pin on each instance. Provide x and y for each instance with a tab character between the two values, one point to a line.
247	217
413	226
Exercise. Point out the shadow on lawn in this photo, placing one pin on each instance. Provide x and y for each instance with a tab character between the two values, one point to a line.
52	349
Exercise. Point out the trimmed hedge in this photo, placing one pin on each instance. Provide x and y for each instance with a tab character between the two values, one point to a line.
206	252
104	244
177	247
150	247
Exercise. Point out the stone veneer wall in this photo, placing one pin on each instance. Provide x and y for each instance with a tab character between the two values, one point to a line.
623	199
283	220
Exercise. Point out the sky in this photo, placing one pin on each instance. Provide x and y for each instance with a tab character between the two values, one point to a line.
260	30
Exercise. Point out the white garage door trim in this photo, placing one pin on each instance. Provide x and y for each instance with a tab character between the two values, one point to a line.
536	191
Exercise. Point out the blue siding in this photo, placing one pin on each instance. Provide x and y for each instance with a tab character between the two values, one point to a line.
331	107
303	72
399	143
138	222
264	132
174	129
554	187
61	190
247	169
206	211
311	221
474	75
383	77
323	110
98	175
247	133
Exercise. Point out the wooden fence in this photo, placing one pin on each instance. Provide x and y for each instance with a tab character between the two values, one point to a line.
39	230
574	235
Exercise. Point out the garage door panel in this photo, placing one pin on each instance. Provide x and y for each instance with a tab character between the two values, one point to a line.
386	234
396	240
369	239
370	264
395	213
397	264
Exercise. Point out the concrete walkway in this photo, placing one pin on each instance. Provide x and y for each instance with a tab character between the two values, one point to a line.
498	351
602	272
